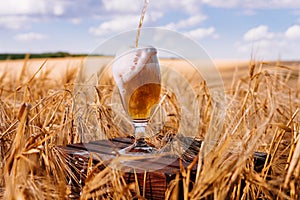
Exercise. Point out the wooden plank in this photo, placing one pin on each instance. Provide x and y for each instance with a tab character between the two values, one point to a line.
156	181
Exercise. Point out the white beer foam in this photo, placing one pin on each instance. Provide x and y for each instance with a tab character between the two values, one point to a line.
129	64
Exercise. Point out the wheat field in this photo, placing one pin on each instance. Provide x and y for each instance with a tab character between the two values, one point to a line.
262	114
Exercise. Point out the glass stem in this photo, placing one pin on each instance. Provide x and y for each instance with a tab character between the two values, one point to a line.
140	132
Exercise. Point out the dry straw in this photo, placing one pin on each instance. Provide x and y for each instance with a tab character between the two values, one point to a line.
37	115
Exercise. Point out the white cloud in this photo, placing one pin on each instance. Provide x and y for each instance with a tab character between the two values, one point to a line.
14	22
16	14
24	7
109	10
185	23
30	36
130	11
190	7
221	3
258	33
201	33
293	32
154	15
58	9
257	4
39	10
116	25
76	21
247	12
260	41
37	7
127	6
264	48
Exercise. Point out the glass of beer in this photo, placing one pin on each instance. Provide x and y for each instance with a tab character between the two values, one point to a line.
137	76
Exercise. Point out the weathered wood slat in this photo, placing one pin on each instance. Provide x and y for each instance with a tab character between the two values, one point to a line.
156	181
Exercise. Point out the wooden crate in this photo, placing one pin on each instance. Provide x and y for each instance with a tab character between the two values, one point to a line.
156	180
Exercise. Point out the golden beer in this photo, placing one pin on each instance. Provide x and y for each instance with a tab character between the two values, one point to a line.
143	100
137	74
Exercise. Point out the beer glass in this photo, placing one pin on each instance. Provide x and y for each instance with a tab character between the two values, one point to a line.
137	76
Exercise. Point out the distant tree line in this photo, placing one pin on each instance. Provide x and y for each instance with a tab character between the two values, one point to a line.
15	56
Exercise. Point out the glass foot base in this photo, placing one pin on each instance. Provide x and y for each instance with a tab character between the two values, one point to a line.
139	147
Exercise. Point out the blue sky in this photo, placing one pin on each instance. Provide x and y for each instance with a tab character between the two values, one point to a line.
268	29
